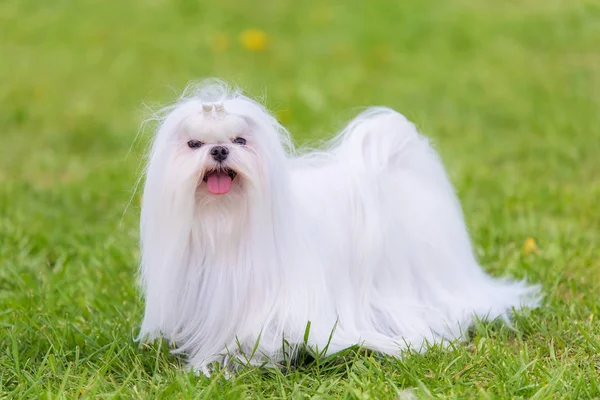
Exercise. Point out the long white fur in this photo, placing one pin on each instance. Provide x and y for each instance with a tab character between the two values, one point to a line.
365	239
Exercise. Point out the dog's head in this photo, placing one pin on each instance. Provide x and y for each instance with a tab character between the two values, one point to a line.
216	147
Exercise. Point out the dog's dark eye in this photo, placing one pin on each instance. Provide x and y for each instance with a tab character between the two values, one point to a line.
194	144
239	140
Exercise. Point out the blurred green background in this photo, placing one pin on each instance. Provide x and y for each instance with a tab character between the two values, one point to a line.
509	91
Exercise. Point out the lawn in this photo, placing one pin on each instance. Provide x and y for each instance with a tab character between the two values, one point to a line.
509	91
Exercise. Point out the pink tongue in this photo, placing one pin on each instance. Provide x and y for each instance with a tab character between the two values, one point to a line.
218	182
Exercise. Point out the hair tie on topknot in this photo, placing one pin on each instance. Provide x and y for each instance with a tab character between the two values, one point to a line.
219	109
207	107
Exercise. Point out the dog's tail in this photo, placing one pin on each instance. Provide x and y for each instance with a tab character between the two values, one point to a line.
375	138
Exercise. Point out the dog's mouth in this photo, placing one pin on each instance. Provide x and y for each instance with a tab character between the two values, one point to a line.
219	181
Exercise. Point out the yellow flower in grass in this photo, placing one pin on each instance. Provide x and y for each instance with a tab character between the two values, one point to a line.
254	40
530	246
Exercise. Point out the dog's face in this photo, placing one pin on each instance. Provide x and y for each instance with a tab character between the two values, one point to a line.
220	152
215	163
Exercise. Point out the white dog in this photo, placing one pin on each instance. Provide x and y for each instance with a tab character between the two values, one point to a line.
247	245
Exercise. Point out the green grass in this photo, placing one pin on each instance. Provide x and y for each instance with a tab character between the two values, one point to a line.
508	90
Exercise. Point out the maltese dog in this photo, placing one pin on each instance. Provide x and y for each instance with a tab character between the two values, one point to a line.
252	251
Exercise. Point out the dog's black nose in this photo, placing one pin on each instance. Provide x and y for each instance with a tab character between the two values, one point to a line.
219	153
